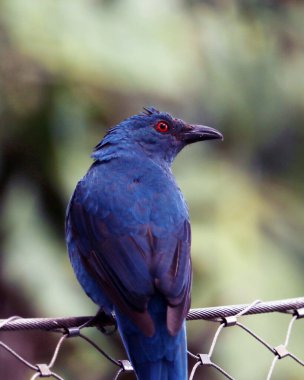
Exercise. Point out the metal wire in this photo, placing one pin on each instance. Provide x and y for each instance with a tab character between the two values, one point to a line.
226	316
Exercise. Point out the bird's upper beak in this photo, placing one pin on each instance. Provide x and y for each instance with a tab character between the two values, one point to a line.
193	133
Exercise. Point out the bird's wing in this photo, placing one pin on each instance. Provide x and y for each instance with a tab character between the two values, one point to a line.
130	266
174	275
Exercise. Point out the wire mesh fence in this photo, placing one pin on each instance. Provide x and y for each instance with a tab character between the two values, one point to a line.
224	316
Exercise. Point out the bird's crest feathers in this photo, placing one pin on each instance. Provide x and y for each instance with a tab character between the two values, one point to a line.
112	135
150	111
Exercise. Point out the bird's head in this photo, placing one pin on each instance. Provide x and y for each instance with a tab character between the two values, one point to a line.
156	134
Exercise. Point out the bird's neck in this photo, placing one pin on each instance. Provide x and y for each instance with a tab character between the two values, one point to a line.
137	153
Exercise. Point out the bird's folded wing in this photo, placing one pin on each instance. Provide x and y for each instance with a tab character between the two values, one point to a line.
131	267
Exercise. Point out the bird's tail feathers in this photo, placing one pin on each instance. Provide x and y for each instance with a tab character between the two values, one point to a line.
162	370
161	357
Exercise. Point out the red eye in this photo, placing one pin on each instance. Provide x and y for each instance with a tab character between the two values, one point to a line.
162	127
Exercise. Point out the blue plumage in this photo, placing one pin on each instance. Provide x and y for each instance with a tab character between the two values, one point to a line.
128	237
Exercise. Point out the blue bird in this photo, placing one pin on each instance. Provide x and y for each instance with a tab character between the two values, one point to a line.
128	237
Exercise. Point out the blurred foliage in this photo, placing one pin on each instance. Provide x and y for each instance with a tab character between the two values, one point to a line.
70	69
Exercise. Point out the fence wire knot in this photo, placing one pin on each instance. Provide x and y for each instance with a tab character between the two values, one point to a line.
44	370
126	365
73	332
281	351
299	313
204	359
230	321
224	316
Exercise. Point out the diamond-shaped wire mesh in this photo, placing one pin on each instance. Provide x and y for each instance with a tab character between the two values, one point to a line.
224	316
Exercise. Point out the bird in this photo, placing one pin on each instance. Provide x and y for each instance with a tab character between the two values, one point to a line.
128	236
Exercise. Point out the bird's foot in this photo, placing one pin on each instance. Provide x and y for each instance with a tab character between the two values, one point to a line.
105	322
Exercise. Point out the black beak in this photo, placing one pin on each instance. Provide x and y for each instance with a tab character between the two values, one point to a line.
193	133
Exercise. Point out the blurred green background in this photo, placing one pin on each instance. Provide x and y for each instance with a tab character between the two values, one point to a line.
71	69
